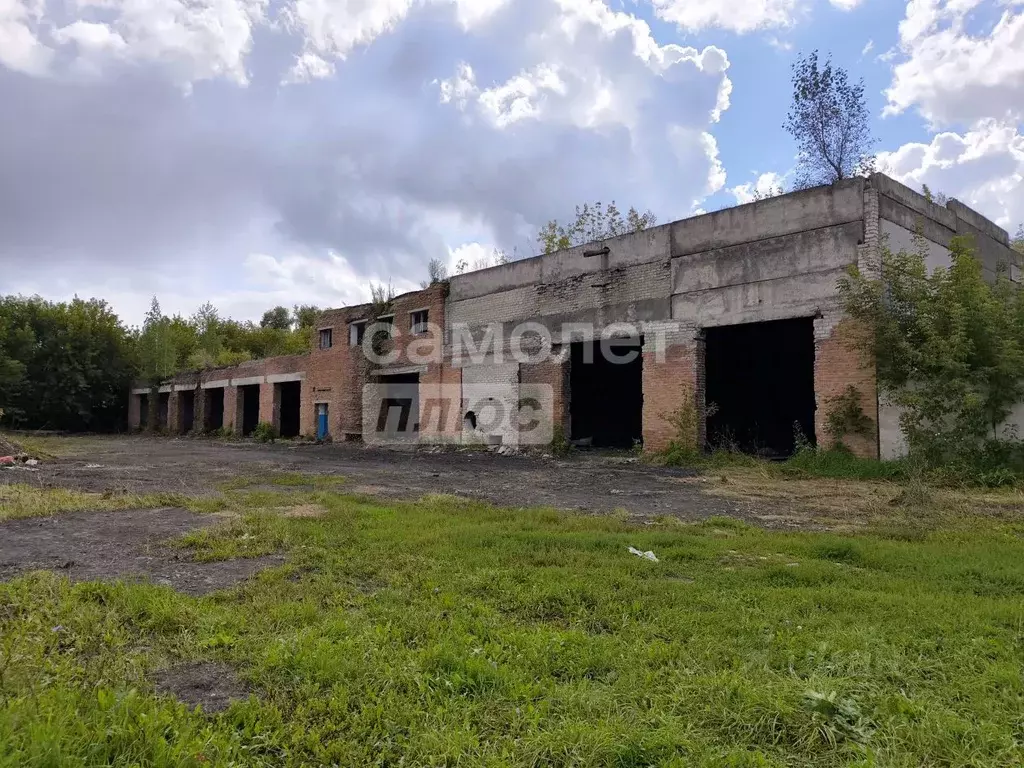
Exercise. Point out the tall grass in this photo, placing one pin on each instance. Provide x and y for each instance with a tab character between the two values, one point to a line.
447	632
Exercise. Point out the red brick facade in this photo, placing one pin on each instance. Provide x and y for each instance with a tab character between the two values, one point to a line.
667	384
839	362
336	374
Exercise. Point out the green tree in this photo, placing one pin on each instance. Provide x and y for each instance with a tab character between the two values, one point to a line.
591	223
278	317
1018	241
829	120
157	353
210	336
64	365
949	349
305	316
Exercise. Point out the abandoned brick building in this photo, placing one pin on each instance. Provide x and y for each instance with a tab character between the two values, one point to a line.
738	308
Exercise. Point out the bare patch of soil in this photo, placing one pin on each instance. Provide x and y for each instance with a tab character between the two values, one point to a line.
211	685
127	544
585	482
306	510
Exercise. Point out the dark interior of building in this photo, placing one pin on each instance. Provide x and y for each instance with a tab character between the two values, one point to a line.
249	407
760	386
290	400
399	417
214	409
143	411
187	410
163	410
606	399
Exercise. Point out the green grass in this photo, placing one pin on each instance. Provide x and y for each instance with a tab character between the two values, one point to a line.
447	632
19	501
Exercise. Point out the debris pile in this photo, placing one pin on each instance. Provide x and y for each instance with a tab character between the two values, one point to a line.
13	457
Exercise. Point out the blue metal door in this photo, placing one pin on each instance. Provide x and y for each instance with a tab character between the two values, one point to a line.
321	421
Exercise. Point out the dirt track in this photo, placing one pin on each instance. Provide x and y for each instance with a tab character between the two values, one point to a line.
126	544
586	482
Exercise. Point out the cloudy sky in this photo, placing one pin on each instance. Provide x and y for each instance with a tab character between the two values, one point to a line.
257	152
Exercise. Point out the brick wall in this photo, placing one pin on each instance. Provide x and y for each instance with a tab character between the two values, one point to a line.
666	383
336	376
253	369
554	374
838	364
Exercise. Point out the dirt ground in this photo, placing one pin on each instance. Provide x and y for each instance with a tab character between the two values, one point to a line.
209	684
127	544
589	482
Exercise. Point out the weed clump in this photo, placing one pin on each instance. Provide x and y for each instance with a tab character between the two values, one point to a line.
265	432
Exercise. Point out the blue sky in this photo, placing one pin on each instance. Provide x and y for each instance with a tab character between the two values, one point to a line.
252	153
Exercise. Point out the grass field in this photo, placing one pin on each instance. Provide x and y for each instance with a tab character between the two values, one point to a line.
445	632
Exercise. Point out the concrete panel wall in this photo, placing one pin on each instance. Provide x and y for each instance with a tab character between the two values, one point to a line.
774	217
620	294
801	295
818	250
898	239
624	251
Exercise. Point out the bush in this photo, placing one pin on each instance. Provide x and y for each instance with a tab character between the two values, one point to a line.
265	432
560	445
839	462
949	351
684	448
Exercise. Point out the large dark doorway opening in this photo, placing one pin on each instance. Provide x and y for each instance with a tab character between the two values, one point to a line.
213	410
606	393
186	411
759	380
399	416
249	408
163	411
289	398
143	411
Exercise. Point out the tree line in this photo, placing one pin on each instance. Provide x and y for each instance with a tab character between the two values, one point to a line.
69	365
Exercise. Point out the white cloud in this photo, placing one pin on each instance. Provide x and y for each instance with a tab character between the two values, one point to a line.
766	185
983	167
953	75
473	12
548	103
846	5
328	282
192	39
598	70
20	47
586	76
308	67
471	256
459	89
735	15
868	48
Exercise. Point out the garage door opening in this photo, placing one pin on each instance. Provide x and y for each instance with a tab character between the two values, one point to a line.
248	405
143	411
606	401
288	396
398	419
213	409
186	411
163	411
759	380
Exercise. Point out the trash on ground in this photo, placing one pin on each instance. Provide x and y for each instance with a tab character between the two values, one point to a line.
6	461
32	462
648	555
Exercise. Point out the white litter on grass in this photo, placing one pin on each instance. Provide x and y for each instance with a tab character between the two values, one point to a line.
645	555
